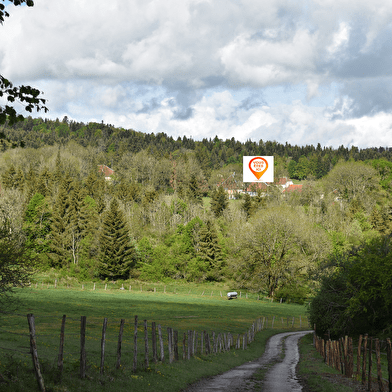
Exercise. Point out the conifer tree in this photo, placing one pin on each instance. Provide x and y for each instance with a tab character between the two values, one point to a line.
95	187
44	183
37	226
210	251
194	191
117	254
12	178
247	205
77	222
219	201
58	243
31	183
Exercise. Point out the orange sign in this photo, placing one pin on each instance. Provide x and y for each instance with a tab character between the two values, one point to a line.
258	166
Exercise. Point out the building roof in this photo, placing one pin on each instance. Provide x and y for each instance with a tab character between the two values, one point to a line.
293	188
106	170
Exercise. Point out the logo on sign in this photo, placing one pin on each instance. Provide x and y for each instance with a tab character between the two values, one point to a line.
258	169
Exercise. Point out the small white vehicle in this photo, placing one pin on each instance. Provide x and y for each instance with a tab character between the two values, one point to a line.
232	294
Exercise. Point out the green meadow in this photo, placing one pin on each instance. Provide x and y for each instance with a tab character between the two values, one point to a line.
177	308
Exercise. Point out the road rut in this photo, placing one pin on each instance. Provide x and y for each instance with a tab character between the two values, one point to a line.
280	377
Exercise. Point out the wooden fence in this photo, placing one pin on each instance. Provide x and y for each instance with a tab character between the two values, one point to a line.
143	287
155	349
341	354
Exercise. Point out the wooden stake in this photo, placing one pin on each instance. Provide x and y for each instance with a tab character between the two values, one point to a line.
146	361
379	374
34	353
83	322
135	347
359	354
104	326
120	334
364	359
389	356
370	364
175	338
170	345
60	363
154	342
161	343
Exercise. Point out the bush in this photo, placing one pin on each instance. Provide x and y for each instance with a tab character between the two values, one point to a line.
293	293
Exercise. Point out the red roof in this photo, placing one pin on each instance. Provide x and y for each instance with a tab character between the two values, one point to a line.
282	181
254	186
293	187
107	171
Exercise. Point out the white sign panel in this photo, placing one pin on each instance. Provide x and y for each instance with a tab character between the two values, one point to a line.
258	169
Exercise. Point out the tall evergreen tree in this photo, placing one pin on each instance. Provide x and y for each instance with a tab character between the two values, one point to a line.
210	251
77	222
219	201
194	191
117	254
37	226
58	241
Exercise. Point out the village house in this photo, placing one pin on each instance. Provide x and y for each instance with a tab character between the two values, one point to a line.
106	171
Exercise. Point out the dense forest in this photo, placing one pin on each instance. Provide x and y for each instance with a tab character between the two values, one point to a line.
165	214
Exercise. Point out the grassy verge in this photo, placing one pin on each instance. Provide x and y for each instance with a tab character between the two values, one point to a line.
314	372
179	311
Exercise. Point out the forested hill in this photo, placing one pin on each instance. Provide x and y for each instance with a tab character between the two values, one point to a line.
298	162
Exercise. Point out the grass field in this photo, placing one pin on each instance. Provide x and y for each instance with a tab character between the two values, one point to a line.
181	311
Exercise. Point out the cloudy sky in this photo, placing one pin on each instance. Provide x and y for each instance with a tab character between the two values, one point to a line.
297	71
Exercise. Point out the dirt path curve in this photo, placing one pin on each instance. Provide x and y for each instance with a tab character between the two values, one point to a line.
280	377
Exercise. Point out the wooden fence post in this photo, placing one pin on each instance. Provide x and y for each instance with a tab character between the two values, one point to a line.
146	361
154	342
389	356
175	337
162	352
134	367
379	374
196	341
202	343
350	358
119	342
105	323
189	344
169	344
370	364
359	354
60	363
34	353
184	347
364	359
83	322
193	342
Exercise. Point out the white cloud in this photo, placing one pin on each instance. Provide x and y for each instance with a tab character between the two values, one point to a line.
180	66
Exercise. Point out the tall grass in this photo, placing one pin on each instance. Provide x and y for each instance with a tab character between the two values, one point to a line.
181	311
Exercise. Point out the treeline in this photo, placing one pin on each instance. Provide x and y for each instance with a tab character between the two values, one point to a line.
162	217
298	162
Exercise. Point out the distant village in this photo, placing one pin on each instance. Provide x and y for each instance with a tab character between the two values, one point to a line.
233	187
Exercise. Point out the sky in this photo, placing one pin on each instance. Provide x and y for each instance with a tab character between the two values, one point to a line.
296	71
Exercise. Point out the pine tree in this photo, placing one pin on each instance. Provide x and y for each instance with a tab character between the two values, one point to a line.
44	183
117	254
77	222
210	251
31	183
219	201
194	191
58	241
37	226
247	205
12	178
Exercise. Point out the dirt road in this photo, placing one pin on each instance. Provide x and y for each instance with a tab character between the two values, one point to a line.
280	373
